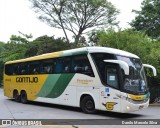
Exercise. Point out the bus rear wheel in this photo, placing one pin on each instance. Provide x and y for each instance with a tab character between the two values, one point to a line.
87	105
16	96
23	97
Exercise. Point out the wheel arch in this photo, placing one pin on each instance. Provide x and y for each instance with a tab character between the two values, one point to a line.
87	94
15	91
23	91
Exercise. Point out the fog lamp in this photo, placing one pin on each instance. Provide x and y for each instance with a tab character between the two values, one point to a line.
128	107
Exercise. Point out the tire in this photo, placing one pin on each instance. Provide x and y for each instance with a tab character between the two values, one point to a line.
16	97
87	105
24	97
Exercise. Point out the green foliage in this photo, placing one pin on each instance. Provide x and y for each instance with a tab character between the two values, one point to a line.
131	41
45	44
14	49
76	16
147	19
1	73
20	47
2	49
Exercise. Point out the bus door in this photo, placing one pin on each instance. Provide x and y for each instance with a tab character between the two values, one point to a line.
112	89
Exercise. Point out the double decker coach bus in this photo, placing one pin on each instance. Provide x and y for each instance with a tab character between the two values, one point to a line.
93	78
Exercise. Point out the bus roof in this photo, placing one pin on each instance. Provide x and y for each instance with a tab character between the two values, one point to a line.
77	51
112	51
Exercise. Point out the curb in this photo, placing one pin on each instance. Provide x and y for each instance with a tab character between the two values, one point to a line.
156	104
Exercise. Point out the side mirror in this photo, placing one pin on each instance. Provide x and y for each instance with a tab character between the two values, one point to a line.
123	64
153	68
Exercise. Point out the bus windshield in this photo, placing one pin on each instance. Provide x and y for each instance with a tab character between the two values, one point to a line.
135	82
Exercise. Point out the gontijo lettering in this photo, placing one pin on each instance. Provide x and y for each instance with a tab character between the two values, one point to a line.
27	79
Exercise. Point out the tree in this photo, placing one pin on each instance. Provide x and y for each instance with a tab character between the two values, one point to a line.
45	44
76	16
129	40
15	48
148	19
2	49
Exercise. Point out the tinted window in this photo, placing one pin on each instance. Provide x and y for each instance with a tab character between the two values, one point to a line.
24	69
74	64
67	64
100	64
9	69
34	67
111	76
81	65
47	66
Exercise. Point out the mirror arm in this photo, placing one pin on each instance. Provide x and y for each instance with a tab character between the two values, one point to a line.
153	68
123	64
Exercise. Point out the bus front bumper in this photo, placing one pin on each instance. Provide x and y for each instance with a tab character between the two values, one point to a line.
127	106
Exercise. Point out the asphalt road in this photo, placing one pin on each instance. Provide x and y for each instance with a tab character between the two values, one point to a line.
9	109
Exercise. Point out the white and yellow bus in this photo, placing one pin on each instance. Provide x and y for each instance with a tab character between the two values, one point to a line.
93	78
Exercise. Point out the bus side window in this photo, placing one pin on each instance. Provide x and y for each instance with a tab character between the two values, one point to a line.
24	68
111	77
63	65
34	67
67	62
98	59
82	65
16	70
9	69
59	65
47	66
67	69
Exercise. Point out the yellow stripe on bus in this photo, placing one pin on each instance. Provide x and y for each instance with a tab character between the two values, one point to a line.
136	97
43	56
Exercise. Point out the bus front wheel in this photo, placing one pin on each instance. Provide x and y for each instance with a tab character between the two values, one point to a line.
87	105
23	97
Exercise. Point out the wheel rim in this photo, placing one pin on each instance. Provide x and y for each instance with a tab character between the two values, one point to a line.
89	105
